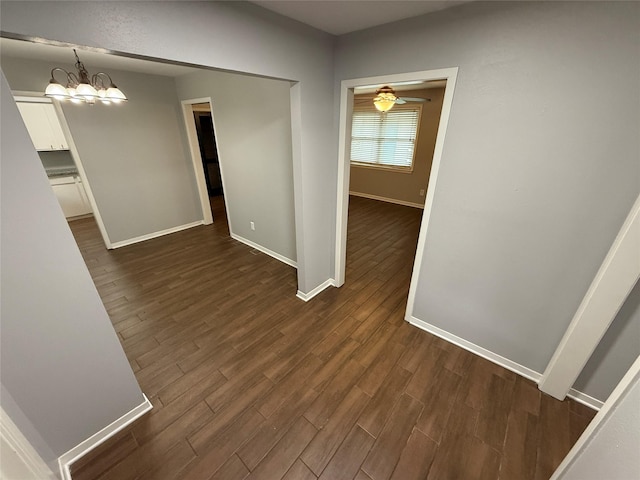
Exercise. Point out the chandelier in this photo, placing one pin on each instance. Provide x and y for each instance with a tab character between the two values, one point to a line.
80	88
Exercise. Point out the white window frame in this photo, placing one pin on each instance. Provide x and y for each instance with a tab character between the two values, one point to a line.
394	168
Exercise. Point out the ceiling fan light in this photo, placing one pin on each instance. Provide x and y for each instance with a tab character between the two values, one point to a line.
384	101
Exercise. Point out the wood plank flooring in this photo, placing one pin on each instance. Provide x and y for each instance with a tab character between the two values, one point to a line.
249	382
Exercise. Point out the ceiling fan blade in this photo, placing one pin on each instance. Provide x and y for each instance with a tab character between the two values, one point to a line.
400	101
413	99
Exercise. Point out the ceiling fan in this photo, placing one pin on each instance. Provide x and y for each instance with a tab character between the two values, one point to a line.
386	98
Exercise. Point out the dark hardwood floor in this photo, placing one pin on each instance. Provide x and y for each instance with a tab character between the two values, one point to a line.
247	381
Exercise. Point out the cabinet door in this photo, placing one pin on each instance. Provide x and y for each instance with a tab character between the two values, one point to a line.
58	140
37	124
71	198
43	126
86	205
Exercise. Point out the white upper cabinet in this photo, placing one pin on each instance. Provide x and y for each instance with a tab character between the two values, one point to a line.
43	126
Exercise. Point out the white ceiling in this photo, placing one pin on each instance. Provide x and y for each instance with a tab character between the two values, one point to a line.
344	16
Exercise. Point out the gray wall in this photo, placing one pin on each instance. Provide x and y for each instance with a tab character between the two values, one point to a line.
61	362
540	164
253	131
401	185
235	36
133	153
26	429
617	351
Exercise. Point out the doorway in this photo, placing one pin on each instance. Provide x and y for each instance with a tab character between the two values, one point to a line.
46	123
347	91
208	148
200	126
390	159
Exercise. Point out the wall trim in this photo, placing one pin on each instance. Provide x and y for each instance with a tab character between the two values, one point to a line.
600	419
585	399
323	286
386	199
478	350
196	157
607	293
521	370
98	438
265	250
12	435
160	233
73	149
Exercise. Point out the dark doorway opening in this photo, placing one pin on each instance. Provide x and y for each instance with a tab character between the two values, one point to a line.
208	150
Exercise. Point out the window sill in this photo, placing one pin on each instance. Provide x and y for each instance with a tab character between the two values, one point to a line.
383	168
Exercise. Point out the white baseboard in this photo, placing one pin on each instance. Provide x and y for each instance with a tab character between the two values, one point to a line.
149	236
499	360
478	350
585	399
308	296
100	437
265	250
26	458
386	199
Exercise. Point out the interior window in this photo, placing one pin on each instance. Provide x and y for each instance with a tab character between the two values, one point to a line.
384	139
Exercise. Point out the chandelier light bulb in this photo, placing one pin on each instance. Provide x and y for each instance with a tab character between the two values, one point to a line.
115	94
86	91
102	95
55	90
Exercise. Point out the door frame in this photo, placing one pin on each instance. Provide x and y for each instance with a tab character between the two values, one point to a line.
196	157
608	410
344	149
21	453
616	278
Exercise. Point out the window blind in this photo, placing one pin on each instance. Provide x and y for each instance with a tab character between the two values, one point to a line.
384	139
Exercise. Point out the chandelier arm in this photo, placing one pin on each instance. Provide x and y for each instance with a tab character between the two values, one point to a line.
57	69
96	77
83	74
105	74
73	78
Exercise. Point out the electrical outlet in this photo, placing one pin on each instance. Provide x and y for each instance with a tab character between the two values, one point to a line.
422	192
253	226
